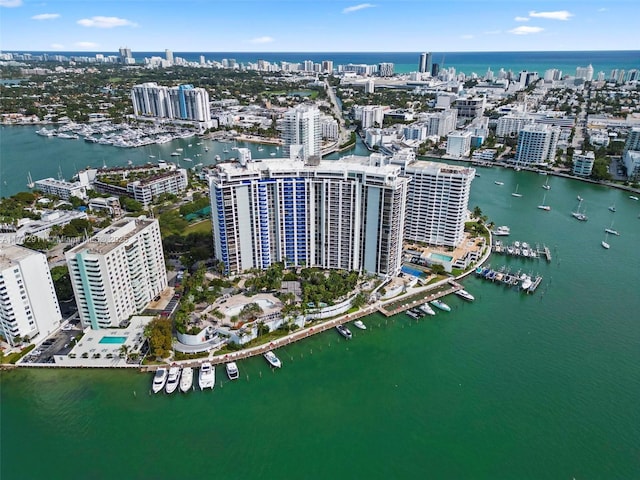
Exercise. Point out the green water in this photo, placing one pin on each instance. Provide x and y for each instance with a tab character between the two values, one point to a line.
511	386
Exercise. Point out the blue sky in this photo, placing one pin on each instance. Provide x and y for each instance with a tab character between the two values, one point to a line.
319	25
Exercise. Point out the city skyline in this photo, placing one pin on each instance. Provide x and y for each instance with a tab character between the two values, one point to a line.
288	26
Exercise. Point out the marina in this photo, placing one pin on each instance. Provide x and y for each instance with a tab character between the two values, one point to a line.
528	283
522	250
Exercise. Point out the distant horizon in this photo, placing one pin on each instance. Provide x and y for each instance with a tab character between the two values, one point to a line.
317	51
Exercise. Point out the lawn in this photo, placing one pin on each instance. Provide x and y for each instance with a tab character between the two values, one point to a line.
201	227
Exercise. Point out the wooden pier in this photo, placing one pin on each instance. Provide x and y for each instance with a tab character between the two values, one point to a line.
399	306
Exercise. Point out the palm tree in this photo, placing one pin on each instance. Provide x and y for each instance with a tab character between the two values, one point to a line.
124	352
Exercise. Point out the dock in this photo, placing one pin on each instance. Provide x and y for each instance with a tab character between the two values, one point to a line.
414	301
504	276
522	250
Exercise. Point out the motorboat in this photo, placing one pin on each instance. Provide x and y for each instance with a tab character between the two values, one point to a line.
232	370
526	281
159	379
187	160
633	197
207	376
464	294
426	308
579	198
413	314
441	305
344	331
175	154
186	379
173	378
612	208
498	182
273	360
360	324
502	231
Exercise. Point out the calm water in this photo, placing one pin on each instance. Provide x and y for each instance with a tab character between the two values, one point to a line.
544	386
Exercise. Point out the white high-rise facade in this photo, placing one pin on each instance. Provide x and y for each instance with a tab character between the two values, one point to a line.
346	214
459	143
117	272
28	302
302	133
183	102
633	140
585	73
537	144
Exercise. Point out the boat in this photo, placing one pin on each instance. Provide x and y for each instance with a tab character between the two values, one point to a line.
612	208
260	149
502	231
187	160
232	370
516	194
175	154
464	294
611	230
173	378
206	149
578	214
344	331
413	314
498	183
207	376
30	182
360	324
579	198
273	154
217	158
272	359
426	308
179	149
159	379
152	156
546	185
543	205
526	281
186	379
441	305
633	197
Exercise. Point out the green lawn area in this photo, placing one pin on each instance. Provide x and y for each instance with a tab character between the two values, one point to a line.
200	227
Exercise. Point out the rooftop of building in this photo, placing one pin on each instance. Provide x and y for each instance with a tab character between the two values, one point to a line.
10	255
114	235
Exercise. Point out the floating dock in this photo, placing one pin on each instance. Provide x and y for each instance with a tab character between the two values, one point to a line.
504	276
522	250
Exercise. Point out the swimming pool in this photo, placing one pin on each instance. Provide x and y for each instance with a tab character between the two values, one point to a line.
440	256
116	340
412	271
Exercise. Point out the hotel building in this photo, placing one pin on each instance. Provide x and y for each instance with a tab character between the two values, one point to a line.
346	214
537	144
28	302
117	272
302	133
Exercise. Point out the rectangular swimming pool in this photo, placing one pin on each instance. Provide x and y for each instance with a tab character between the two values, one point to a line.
412	271
117	340
440	256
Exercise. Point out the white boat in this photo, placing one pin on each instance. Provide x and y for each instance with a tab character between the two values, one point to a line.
426	308
175	154
217	158
273	154
207	376
30	182
546	185
633	197
516	194
578	214
273	360
498	183
187	160
186	379
611	230
464	294
605	245
360	324
612	208
579	198
159	379
413	314
543	205
441	305
232	370
526	281
179	149
344	331
172	379
502	231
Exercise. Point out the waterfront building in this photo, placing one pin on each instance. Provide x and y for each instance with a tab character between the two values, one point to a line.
61	188
168	55
117	272
302	133
144	190
327	66
631	161
459	143
633	140
426	63
183	102
537	144
347	214
583	163
385	69
470	108
28	303
369	115
585	73
329	127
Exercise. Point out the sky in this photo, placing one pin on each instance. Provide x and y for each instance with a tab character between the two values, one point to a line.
318	25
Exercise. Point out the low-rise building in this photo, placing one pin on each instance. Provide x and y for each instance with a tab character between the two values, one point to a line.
583	163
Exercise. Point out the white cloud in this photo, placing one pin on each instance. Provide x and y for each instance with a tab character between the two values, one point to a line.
521	19
10	3
557	15
466	37
264	39
355	8
106	22
46	16
525	30
57	46
86	44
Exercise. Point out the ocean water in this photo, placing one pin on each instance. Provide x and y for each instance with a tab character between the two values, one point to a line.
511	386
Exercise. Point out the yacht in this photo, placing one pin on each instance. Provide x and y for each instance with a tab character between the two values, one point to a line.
441	305
498	183
464	294
526	281
175	154
173	379
232	370
360	324
30	182
186	379
502	231
413	314
344	331
207	376
426	308
272	359
159	380
187	160
633	197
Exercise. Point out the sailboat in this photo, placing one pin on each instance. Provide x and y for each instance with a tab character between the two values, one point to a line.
30	182
604	242
516	194
612	207
543	205
546	185
611	230
578	215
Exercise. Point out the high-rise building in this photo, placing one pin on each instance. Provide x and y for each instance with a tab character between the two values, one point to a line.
28	302
385	69
182	102
125	52
459	143
425	65
117	272
168	55
585	73
633	140
346	214
327	66
302	133
537	144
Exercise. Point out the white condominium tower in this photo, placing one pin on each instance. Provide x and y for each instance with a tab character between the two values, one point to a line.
180	103
28	302
117	272
302	132
537	144
337	214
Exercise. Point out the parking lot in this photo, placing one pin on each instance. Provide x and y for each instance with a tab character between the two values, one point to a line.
60	343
